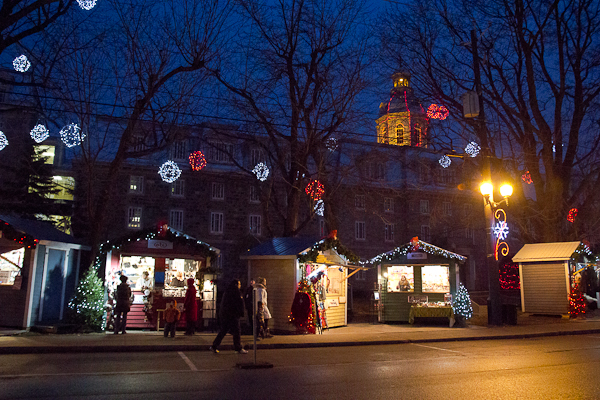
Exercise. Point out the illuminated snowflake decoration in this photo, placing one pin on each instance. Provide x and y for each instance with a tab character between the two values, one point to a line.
261	171
445	161
71	135
501	230
572	215
320	207
197	160
472	149
21	63
315	189
39	133
169	172
331	144
3	141
87	4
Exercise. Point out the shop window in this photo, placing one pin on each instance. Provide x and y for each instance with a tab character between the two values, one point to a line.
424	206
176	219
400	278
136	184
435	279
360	230
11	263
388	204
177	188
216	222
255	221
447	208
254	194
133	267
218	191
389	232
359	201
425	233
134	218
177	272
179	150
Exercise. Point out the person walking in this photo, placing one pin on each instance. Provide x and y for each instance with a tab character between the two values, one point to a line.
248	303
261	296
190	308
172	315
230	312
122	308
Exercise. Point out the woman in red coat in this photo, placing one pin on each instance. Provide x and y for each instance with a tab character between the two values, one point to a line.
190	307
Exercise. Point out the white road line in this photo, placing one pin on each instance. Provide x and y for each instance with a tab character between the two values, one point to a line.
187	361
436	348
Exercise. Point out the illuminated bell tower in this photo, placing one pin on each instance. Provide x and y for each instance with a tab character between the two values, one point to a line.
402	120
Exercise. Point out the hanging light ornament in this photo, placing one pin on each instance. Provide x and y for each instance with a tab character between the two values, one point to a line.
197	160
87	4
572	215
261	171
21	63
3	141
71	135
472	149
445	161
39	133
436	111
331	144
315	190
169	172
319	207
526	177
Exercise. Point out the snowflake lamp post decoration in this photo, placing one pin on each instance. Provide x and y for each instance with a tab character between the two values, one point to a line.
87	4
39	133
320	207
3	141
71	135
445	161
315	190
472	149
331	144
169	172
501	230
461	305
572	215
21	63
261	171
436	111
197	160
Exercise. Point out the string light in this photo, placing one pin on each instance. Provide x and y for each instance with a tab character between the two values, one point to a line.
3	141
71	135
461	304
572	215
169	171
21	63
261	171
315	189
39	133
87	4
197	160
445	161
320	207
409	247
436	111
472	149
509	276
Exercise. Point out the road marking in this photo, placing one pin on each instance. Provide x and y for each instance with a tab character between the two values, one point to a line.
436	348
187	361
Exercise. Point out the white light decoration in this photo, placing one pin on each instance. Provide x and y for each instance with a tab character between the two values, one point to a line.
261	171
39	133
472	149
319	207
3	141
501	230
169	172
445	161
331	144
71	135
87	4
21	63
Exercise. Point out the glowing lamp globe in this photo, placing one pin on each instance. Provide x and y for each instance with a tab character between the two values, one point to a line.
506	190
486	189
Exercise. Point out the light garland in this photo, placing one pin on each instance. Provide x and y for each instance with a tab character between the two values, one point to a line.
409	247
21	63
169	171
572	215
315	189
197	160
445	161
87	4
261	171
509	276
3	141
39	133
436	111
472	149
319	207
71	135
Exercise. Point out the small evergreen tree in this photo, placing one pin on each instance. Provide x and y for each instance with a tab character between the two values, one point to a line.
462	303
576	302
86	307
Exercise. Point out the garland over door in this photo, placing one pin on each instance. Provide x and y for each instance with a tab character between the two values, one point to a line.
544	288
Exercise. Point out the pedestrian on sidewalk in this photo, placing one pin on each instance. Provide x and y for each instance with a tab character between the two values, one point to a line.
248	302
123	304
261	295
172	315
190	308
260	320
230	312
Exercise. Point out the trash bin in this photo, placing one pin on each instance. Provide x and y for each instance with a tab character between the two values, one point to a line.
509	314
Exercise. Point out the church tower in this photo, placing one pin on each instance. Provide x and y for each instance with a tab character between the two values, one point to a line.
402	120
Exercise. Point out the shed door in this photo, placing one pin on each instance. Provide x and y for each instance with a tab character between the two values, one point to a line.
53	289
544	288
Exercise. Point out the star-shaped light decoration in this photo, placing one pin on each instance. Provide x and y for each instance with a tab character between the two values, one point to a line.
320	207
21	63
501	230
71	135
3	141
445	161
472	149
87	4
39	133
261	171
169	172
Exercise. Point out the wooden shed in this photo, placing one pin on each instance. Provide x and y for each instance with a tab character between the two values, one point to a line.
545	271
285	262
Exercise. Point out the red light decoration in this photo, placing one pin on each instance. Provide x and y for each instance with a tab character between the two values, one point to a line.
315	190
576	302
436	111
415	243
197	160
526	177
509	276
572	215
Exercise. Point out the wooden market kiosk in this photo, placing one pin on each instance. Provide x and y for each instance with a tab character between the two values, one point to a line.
169	257
285	262
416	280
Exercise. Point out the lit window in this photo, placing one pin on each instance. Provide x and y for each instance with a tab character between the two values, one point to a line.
359	201
399	133
44	151
388	204
11	263
176	219
218	191
359	230
177	188
134	218
64	185
435	279
255	227
389	232
424	206
400	278
136	184
216	222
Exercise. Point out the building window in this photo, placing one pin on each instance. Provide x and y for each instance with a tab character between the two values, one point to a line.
359	230
220	152
424	207
467	209
423	174
388	204
469	233
418	138
389	232
218	191
256	156
136	184
64	186
45	152
216	222
254	195
361	275
177	188
255	227
447	208
376	171
399	133
176	219
179	151
359	201
425	233
134	218
321	227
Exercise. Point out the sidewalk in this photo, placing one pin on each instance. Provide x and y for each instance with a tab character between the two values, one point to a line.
20	342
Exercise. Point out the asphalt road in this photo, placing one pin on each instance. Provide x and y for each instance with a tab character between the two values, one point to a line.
566	367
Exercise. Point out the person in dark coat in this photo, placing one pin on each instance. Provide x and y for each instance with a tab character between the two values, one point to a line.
249	305
190	308
122	308
230	312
